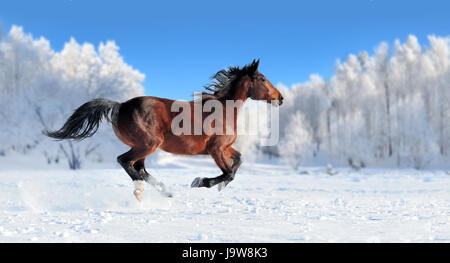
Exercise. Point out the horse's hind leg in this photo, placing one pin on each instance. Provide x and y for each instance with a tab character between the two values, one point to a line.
127	161
159	186
133	163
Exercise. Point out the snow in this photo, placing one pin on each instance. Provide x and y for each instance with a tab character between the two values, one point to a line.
267	202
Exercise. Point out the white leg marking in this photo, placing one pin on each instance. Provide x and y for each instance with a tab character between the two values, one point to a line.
139	186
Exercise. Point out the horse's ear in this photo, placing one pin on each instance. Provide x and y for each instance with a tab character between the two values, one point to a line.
253	68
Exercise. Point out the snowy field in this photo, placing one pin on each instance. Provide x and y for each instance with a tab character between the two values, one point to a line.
266	203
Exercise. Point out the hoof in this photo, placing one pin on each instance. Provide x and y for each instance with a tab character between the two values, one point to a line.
222	185
197	182
167	194
138	195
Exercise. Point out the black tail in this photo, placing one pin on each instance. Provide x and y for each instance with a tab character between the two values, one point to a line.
85	120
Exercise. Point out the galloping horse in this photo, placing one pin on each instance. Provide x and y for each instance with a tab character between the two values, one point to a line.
145	124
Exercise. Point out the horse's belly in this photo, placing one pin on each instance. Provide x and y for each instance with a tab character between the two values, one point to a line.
186	145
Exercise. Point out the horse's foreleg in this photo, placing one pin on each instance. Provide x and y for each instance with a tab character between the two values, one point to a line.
210	182
236	162
228	161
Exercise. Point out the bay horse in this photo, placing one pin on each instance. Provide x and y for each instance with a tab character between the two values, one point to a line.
144	124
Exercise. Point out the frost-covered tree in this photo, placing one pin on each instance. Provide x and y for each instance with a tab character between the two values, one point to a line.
389	108
296	143
312	100
40	88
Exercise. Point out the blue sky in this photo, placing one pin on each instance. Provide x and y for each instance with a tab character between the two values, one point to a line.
179	44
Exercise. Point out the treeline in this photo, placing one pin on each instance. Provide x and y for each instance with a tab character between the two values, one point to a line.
390	108
386	109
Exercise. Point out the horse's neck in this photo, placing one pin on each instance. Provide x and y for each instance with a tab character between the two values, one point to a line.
241	90
239	98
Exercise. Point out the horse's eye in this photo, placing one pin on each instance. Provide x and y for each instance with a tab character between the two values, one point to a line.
263	79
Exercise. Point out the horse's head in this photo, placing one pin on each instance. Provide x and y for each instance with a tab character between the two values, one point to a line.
262	89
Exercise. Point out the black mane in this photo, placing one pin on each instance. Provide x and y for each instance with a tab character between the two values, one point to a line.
224	81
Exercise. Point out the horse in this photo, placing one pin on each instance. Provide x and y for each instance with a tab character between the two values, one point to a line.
145	124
